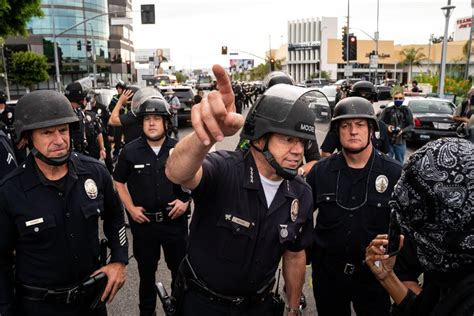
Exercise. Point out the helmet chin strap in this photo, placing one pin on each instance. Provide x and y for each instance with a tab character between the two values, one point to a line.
285	173
59	161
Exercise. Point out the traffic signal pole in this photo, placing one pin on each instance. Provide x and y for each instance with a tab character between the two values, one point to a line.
347	38
7	87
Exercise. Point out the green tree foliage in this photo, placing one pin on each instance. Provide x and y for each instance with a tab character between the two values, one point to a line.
29	68
412	56
14	16
180	77
456	86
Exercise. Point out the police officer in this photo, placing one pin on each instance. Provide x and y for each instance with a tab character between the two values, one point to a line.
103	115
7	118
250	208
351	189
380	139
49	212
7	155
129	122
87	138
116	131
155	205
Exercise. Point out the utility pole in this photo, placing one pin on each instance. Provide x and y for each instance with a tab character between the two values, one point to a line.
94	64
7	87
347	39
469	43
377	45
269	53
55	47
447	13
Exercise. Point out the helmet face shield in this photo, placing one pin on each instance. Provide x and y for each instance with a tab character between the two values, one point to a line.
140	96
319	105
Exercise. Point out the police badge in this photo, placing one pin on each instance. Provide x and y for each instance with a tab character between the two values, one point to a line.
295	207
91	188
381	184
283	231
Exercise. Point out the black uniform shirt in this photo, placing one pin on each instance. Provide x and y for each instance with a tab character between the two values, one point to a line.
131	126
7	156
55	233
144	173
236	241
344	233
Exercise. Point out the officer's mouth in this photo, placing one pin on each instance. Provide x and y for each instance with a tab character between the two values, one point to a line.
292	164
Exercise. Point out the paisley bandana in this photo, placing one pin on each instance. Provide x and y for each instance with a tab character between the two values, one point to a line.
434	200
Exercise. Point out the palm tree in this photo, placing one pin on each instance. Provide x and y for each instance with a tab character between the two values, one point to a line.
412	56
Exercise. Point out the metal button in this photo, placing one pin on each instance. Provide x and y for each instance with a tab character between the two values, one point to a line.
327	198
60	194
379	204
98	211
68	215
237	229
353	198
36	229
71	235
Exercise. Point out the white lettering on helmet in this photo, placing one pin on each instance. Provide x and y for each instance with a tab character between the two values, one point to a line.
307	127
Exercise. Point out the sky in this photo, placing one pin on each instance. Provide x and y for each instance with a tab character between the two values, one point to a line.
195	30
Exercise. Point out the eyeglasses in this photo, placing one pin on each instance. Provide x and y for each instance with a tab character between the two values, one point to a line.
398	98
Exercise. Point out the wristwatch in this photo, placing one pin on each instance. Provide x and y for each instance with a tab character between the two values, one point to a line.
294	311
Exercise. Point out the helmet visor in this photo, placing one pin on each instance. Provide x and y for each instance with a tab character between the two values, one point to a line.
319	105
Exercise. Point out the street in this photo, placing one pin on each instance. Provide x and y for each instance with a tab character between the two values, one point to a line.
126	301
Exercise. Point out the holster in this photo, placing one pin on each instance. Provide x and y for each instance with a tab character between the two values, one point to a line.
93	288
168	302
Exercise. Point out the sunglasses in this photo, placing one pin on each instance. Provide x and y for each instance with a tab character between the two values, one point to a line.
398	98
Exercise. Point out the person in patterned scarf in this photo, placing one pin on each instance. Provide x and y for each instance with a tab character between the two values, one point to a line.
434	206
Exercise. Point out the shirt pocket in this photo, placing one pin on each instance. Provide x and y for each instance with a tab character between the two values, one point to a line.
329	214
46	223
234	238
377	214
91	212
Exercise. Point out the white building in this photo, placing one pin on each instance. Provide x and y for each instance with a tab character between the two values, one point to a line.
305	52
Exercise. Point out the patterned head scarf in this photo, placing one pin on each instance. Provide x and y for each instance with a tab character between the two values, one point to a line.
434	200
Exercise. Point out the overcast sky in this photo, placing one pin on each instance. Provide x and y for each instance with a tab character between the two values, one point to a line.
195	30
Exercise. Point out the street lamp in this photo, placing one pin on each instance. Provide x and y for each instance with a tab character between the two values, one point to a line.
321	50
447	13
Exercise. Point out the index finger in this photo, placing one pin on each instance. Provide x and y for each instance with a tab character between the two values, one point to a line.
224	85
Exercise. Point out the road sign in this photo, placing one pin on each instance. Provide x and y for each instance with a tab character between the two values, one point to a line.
374	61
348	71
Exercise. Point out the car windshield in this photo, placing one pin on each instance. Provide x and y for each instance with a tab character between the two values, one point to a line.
431	106
183	93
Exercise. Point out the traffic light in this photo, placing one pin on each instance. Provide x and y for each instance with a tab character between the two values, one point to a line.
224	50
129	67
352	47
272	64
148	13
88	46
79	45
344	42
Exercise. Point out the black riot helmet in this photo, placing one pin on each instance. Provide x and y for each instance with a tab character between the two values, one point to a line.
150	102
354	107
282	109
364	89
74	92
135	106
121	84
276	77
40	109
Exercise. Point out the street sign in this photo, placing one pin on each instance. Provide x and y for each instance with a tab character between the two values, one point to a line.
374	61
121	21
348	71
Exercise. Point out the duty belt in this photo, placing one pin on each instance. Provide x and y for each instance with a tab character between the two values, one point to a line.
64	296
238	301
157	217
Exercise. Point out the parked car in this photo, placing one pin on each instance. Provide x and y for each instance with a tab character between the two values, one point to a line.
191	83
383	93
433	118
185	95
319	104
315	83
330	93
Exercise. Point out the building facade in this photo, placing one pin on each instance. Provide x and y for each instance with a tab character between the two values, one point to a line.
306	52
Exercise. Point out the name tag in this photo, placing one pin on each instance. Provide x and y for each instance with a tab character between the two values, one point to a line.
139	166
34	222
240	221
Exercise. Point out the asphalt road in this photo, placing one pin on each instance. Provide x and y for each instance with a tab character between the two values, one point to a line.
126	301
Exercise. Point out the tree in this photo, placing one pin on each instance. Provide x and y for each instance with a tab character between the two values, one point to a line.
29	68
180	77
14	16
412	56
